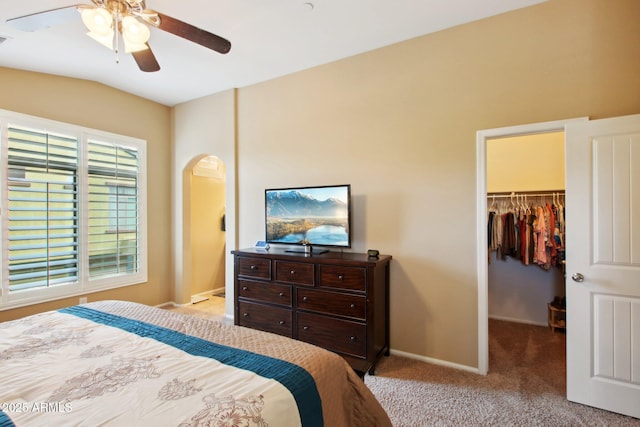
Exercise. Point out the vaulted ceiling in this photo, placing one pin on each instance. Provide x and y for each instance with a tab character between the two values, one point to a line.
269	38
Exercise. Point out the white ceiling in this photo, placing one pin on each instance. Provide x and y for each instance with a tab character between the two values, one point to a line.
269	38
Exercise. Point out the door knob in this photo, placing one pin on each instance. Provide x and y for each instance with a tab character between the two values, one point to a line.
577	277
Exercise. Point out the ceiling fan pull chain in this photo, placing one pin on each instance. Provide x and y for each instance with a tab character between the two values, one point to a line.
116	27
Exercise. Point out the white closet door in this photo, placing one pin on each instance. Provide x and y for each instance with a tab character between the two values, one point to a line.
603	264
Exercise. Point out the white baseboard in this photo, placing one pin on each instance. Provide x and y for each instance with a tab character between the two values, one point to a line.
435	361
209	292
202	296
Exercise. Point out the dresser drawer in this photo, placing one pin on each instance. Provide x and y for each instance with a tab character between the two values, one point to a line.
300	273
332	303
341	336
335	276
254	267
265	318
265	292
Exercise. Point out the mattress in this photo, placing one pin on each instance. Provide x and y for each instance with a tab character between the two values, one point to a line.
123	363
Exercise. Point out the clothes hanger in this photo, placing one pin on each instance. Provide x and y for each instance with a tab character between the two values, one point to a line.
528	208
493	206
523	204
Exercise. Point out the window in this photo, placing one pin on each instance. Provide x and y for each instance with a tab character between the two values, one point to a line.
73	217
123	205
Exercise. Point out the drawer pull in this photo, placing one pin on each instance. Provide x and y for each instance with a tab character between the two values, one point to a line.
305	299
281	294
245	314
253	267
306	328
292	272
281	322
244	288
352	306
340	277
353	338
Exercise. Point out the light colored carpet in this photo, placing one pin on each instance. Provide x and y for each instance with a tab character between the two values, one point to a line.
212	308
525	386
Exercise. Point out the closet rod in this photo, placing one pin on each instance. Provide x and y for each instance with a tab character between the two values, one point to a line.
526	193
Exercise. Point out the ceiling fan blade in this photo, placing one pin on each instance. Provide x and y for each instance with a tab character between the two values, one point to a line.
45	19
194	34
146	60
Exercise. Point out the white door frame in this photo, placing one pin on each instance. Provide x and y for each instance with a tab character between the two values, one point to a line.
481	215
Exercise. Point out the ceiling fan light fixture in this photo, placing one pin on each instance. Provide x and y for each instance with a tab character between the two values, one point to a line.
134	31
98	21
104	39
134	47
109	21
134	34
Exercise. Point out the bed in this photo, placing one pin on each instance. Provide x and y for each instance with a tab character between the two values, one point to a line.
122	363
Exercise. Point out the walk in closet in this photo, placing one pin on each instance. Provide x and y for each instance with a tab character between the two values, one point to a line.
525	226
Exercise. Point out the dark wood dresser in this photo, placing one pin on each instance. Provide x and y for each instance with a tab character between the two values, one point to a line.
335	300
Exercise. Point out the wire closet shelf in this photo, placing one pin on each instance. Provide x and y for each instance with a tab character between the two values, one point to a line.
526	198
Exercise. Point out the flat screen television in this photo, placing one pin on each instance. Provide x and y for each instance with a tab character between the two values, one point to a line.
309	216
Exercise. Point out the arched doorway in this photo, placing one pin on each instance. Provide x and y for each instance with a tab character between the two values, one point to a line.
204	232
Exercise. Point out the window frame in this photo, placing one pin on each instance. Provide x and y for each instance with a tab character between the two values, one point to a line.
84	285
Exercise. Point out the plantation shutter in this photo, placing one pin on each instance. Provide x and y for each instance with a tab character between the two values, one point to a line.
42	208
113	207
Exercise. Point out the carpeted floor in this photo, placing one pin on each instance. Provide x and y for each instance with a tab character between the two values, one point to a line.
211	308
525	386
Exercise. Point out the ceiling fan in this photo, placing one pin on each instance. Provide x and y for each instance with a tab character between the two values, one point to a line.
110	21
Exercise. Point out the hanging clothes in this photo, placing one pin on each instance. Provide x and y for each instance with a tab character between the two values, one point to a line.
540	237
524	248
534	234
509	236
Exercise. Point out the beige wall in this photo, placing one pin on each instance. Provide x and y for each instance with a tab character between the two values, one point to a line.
526	163
400	123
202	127
96	106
